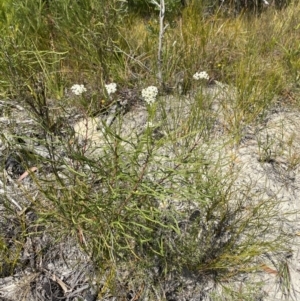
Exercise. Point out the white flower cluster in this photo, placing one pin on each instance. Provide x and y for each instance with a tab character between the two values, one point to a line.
149	94
111	88
78	89
201	75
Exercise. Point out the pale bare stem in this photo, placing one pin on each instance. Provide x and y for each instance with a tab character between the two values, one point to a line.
160	41
162	29
155	3
4	191
11	200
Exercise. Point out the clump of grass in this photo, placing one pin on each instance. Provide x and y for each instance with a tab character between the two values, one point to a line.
11	246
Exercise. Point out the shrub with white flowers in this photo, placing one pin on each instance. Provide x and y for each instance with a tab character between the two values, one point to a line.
201	75
78	89
149	94
111	88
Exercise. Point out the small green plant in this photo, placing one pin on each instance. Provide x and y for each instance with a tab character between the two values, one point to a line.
266	151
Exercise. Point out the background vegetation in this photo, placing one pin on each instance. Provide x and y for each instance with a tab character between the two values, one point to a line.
114	201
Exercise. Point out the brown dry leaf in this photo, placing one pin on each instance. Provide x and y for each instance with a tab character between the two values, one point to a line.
269	270
26	173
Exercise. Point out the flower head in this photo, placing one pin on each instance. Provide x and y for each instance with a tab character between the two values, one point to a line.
149	94
111	88
201	75
78	89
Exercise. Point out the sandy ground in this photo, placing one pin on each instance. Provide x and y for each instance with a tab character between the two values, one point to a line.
267	157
